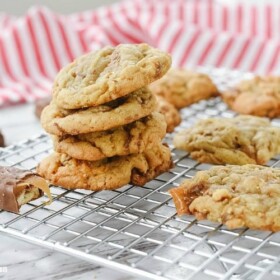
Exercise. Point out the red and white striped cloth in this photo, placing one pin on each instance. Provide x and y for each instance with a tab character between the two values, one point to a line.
196	32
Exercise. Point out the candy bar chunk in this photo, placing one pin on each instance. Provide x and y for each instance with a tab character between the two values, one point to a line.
18	187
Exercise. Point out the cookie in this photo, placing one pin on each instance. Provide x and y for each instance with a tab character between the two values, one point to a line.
40	104
259	96
240	140
171	114
123	140
115	113
237	196
18	187
183	88
107	74
2	140
110	173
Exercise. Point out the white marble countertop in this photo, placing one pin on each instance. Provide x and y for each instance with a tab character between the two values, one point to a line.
33	262
21	260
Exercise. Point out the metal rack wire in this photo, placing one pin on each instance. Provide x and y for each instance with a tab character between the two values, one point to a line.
135	229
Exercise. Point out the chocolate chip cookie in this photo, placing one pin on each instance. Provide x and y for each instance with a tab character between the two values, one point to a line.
240	140
132	138
107	74
109	173
237	196
115	113
183	88
171	114
259	96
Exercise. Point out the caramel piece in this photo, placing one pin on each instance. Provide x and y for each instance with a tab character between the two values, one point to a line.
18	187
237	196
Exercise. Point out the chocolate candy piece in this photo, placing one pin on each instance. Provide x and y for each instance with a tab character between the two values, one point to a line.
2	142
40	105
18	187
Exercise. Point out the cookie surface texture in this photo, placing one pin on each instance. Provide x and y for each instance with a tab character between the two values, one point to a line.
110	173
237	196
183	88
115	113
171	114
259	96
132	138
107	74
240	140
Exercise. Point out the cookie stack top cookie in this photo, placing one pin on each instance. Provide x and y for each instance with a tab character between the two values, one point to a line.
105	89
103	120
108	74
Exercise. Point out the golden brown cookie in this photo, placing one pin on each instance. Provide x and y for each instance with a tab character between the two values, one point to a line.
183	88
240	140
237	196
259	96
115	113
110	173
171	114
123	140
107	74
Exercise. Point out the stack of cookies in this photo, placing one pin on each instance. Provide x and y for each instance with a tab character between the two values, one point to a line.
103	120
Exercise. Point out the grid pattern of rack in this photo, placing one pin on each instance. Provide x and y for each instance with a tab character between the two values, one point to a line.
135	229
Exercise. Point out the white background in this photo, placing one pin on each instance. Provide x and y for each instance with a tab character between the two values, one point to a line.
19	7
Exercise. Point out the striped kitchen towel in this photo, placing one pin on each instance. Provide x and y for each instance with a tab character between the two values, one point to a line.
196	32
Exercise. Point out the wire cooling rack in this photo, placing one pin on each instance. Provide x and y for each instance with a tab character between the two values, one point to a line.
135	229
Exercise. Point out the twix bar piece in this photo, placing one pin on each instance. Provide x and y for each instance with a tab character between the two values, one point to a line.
18	187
